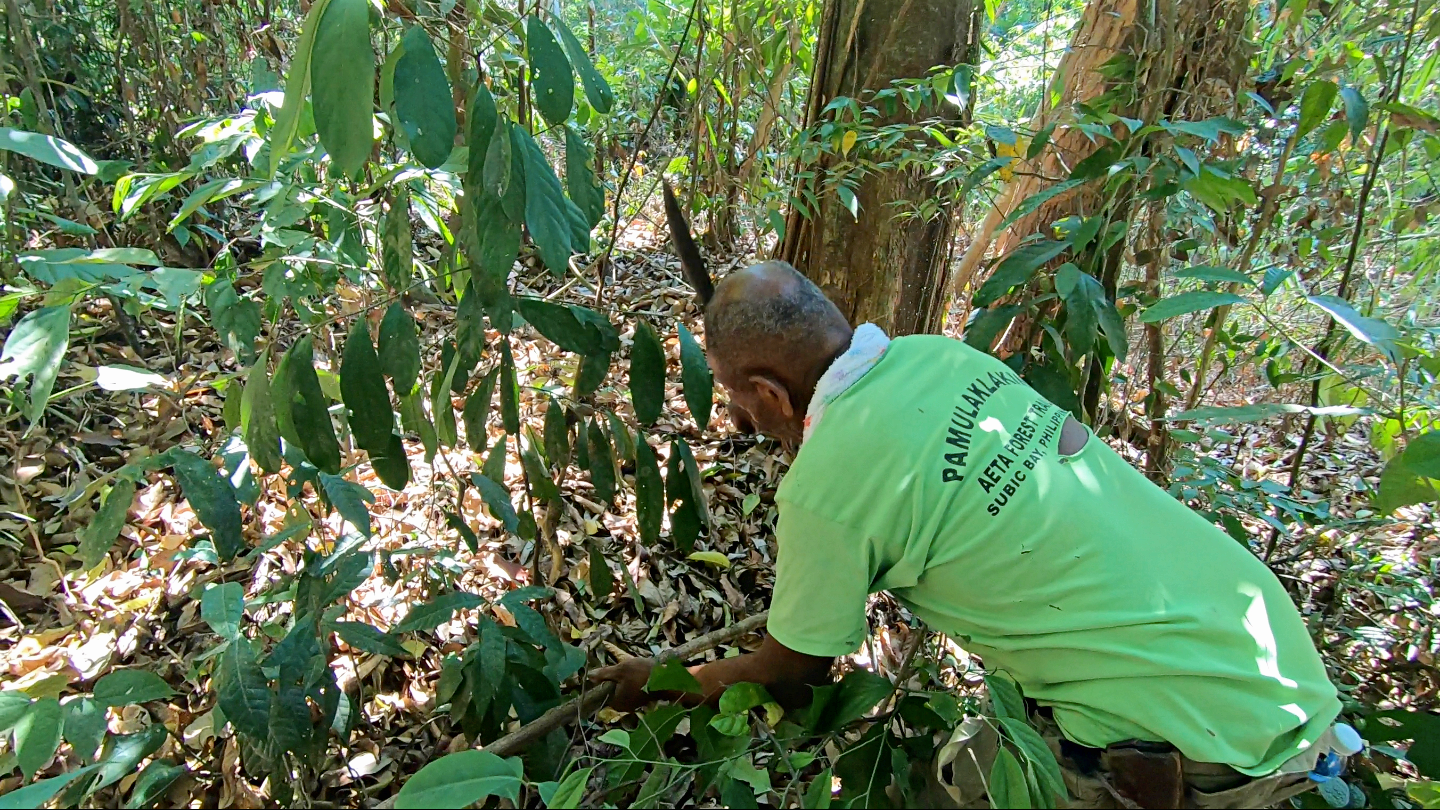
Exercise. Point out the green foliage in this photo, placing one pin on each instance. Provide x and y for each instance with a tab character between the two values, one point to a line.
554	82
460	780
302	410
34	350
342	82
47	149
698	382
422	100
647	374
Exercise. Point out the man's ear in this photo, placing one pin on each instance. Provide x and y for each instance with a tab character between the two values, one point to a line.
773	393
692	264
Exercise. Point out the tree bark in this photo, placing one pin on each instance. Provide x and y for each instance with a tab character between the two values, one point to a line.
886	269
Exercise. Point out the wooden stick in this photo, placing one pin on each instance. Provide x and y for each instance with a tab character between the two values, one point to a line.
592	700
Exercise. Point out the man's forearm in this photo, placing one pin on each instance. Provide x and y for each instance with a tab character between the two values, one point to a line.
787	675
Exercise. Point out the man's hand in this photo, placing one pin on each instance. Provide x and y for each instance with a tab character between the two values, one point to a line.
630	677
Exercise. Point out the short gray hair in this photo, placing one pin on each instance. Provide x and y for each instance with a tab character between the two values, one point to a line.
798	319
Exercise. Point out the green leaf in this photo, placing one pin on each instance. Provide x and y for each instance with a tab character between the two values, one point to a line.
1078	289
988	324
242	690
47	149
509	391
820	791
574	329
367	638
223	608
1007	782
297	86
14	704
342	84
349	499
1219	192
85	724
423	103
552	82
597	90
585	190
1315	106
602	463
35	348
1373	331
153	781
1098	163
37	735
497	498
442	407
742	697
1053	384
477	412
97	536
301	408
592	371
602	581
1037	754
37	794
571	790
372	422
1005	700
414	420
481	118
1409	478
432	614
542	487
1422	727
497	243
1188	302
647	374
1038	199
649	492
1017	268
400	348
123	753
212	497
1222	275
1256	412
460	780
257	419
671	675
236	319
698	382
125	687
545	207
557	434
1357	112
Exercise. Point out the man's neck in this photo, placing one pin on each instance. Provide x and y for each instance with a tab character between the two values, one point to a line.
807	384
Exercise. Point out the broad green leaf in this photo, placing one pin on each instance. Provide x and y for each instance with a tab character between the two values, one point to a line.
423	103
432	614
414	420
242	690
342	84
236	319
1315	104
557	434
497	241
477	412
1017	268
1055	385
13	705
552	82
125	687
820	792
397	243
1078	289
1219	192
367	638
1421	727
38	793
1222	275
469	333
1411	477
1357	112
671	675
349	499
545	206
695	374
37	735
585	190
597	90
509	391
460	780
1007	782
988	324
572	328
372	422
647	373
1005	700
1098	163
512	201
400	348
297	86
714	558
1373	331
481	117
849	700
206	192
442	407
591	372
153	781
467	534
602	581
47	149
649	492
301	407
602	463
223	608
1187	302
742	697
257	419
1258	411
1038	199
123	753
213	499
571	791
86	720
1037	754
499	159
35	348
97	536
542	487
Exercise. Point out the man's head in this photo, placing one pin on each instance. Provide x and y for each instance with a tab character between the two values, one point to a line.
770	333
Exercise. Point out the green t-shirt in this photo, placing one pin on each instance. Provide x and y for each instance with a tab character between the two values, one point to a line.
937	477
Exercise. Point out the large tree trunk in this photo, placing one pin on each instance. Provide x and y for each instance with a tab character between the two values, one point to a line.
886	269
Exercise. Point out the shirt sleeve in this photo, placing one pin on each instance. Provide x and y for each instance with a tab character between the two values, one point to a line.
823	573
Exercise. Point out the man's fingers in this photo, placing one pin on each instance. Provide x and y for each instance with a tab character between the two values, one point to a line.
605	674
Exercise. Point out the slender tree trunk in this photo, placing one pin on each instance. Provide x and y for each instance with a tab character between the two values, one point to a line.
887	269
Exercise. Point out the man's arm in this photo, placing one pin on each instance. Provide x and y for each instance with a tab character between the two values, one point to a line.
785	673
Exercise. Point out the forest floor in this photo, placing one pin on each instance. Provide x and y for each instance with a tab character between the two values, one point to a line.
141	608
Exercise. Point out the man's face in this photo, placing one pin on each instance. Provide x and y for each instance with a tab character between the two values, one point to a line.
751	411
